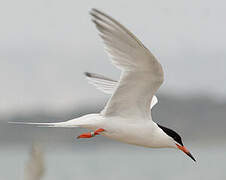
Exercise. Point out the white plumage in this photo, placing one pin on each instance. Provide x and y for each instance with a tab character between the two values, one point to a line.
108	85
126	116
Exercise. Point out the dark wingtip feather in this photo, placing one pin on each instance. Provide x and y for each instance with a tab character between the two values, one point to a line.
87	74
93	11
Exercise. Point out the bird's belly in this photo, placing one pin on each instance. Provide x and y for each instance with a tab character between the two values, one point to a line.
133	134
128	139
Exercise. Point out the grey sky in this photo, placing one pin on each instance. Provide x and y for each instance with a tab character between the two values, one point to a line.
46	45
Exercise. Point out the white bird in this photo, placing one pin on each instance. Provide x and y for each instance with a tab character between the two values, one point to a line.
127	116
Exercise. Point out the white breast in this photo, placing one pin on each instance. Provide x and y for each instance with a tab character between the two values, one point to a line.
142	134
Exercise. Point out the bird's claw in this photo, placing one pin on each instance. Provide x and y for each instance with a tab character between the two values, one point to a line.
90	134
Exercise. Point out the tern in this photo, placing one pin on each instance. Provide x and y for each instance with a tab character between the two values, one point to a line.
127	115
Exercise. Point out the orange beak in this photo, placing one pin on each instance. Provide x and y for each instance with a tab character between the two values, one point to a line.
184	149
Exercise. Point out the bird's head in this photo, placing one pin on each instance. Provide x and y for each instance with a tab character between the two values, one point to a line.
177	141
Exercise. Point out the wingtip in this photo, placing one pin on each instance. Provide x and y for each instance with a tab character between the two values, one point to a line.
93	11
87	74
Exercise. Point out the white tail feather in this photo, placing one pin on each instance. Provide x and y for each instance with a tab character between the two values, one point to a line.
87	121
60	124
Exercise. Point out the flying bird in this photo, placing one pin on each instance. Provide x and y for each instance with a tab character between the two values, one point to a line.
127	115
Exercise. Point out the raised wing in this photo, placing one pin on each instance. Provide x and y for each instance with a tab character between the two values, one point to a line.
108	85
141	74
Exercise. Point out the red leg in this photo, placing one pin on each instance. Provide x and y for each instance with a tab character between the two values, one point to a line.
91	134
98	131
86	135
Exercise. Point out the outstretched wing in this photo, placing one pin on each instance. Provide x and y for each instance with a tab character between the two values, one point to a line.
108	85
141	74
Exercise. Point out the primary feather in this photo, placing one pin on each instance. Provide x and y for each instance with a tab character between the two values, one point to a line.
141	74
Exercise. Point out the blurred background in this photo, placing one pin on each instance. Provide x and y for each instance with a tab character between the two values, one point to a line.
46	45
